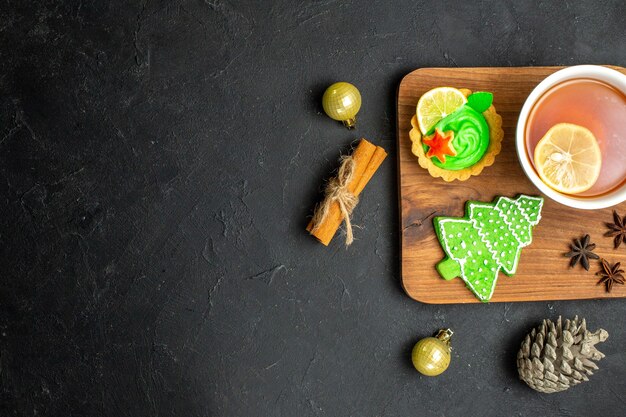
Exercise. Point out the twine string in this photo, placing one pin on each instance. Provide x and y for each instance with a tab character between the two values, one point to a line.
337	191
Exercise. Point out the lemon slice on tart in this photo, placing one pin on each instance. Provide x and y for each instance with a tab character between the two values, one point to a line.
436	104
568	158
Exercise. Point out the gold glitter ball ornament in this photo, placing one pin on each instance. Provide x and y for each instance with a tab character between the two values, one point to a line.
431	355
342	101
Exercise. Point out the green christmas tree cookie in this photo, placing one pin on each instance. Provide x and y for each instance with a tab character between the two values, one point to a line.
489	239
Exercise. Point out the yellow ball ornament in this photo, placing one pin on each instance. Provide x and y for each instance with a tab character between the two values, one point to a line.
342	101
431	355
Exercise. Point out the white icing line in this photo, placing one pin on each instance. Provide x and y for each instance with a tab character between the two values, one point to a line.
511	224
445	237
540	201
487	242
495	253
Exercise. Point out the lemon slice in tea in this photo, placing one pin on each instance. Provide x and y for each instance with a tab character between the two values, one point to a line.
436	104
568	158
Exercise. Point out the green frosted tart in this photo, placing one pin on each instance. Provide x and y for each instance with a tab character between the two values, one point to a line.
461	143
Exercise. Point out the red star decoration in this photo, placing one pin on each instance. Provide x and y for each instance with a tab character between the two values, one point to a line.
440	145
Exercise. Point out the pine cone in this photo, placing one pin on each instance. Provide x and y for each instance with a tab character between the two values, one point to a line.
554	357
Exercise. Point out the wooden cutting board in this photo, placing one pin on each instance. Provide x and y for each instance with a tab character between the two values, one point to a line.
543	272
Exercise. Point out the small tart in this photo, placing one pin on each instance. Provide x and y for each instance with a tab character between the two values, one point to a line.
496	134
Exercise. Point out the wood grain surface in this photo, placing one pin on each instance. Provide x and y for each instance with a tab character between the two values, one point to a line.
543	273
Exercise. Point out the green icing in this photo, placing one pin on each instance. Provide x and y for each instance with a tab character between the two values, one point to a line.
480	101
516	219
471	138
503	245
465	248
531	206
488	239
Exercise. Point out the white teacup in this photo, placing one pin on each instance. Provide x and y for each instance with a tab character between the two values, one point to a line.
608	76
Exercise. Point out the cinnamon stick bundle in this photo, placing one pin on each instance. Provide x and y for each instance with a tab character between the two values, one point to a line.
341	194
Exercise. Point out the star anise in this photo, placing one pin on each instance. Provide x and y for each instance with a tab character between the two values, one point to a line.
610	274
581	252
617	229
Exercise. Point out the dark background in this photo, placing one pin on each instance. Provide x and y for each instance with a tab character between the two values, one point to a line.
158	162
